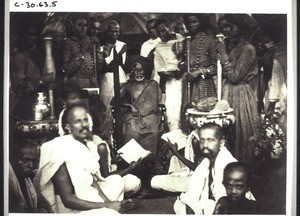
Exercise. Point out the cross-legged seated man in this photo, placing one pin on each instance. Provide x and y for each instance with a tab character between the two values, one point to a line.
181	167
206	183
69	175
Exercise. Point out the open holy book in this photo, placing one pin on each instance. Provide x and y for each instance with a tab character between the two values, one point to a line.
176	136
132	151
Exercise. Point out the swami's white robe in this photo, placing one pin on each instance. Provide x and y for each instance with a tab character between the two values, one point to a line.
83	167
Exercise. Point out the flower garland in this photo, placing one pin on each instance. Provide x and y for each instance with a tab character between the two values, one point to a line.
271	142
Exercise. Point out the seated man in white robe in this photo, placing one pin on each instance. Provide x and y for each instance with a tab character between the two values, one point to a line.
69	175
107	166
206	183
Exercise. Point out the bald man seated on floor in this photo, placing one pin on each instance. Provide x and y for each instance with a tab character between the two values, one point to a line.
69	175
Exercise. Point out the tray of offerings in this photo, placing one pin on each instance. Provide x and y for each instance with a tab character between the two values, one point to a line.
210	110
212	113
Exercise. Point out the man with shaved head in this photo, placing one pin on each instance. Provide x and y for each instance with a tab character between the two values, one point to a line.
69	175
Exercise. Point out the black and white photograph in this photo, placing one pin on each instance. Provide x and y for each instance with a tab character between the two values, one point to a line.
148	112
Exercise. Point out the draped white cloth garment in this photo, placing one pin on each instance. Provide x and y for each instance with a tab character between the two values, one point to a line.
197	195
83	168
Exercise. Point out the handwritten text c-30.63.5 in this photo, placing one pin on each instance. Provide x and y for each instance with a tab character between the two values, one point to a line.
41	4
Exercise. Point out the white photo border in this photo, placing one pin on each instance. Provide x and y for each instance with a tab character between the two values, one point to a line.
159	6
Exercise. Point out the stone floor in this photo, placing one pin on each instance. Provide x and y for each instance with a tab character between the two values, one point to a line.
154	206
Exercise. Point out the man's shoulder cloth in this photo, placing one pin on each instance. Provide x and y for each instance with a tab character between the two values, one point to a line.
124	49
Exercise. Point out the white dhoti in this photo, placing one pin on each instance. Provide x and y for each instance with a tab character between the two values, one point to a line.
107	86
131	183
171	183
179	175
173	102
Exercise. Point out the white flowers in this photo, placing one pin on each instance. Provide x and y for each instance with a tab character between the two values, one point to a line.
277	150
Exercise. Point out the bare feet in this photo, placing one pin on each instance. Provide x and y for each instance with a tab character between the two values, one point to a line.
126	205
115	206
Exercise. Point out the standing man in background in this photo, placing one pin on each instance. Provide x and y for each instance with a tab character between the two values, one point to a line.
148	47
202	58
115	57
79	61
166	73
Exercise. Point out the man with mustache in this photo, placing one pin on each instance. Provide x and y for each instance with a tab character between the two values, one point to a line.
69	175
206	185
